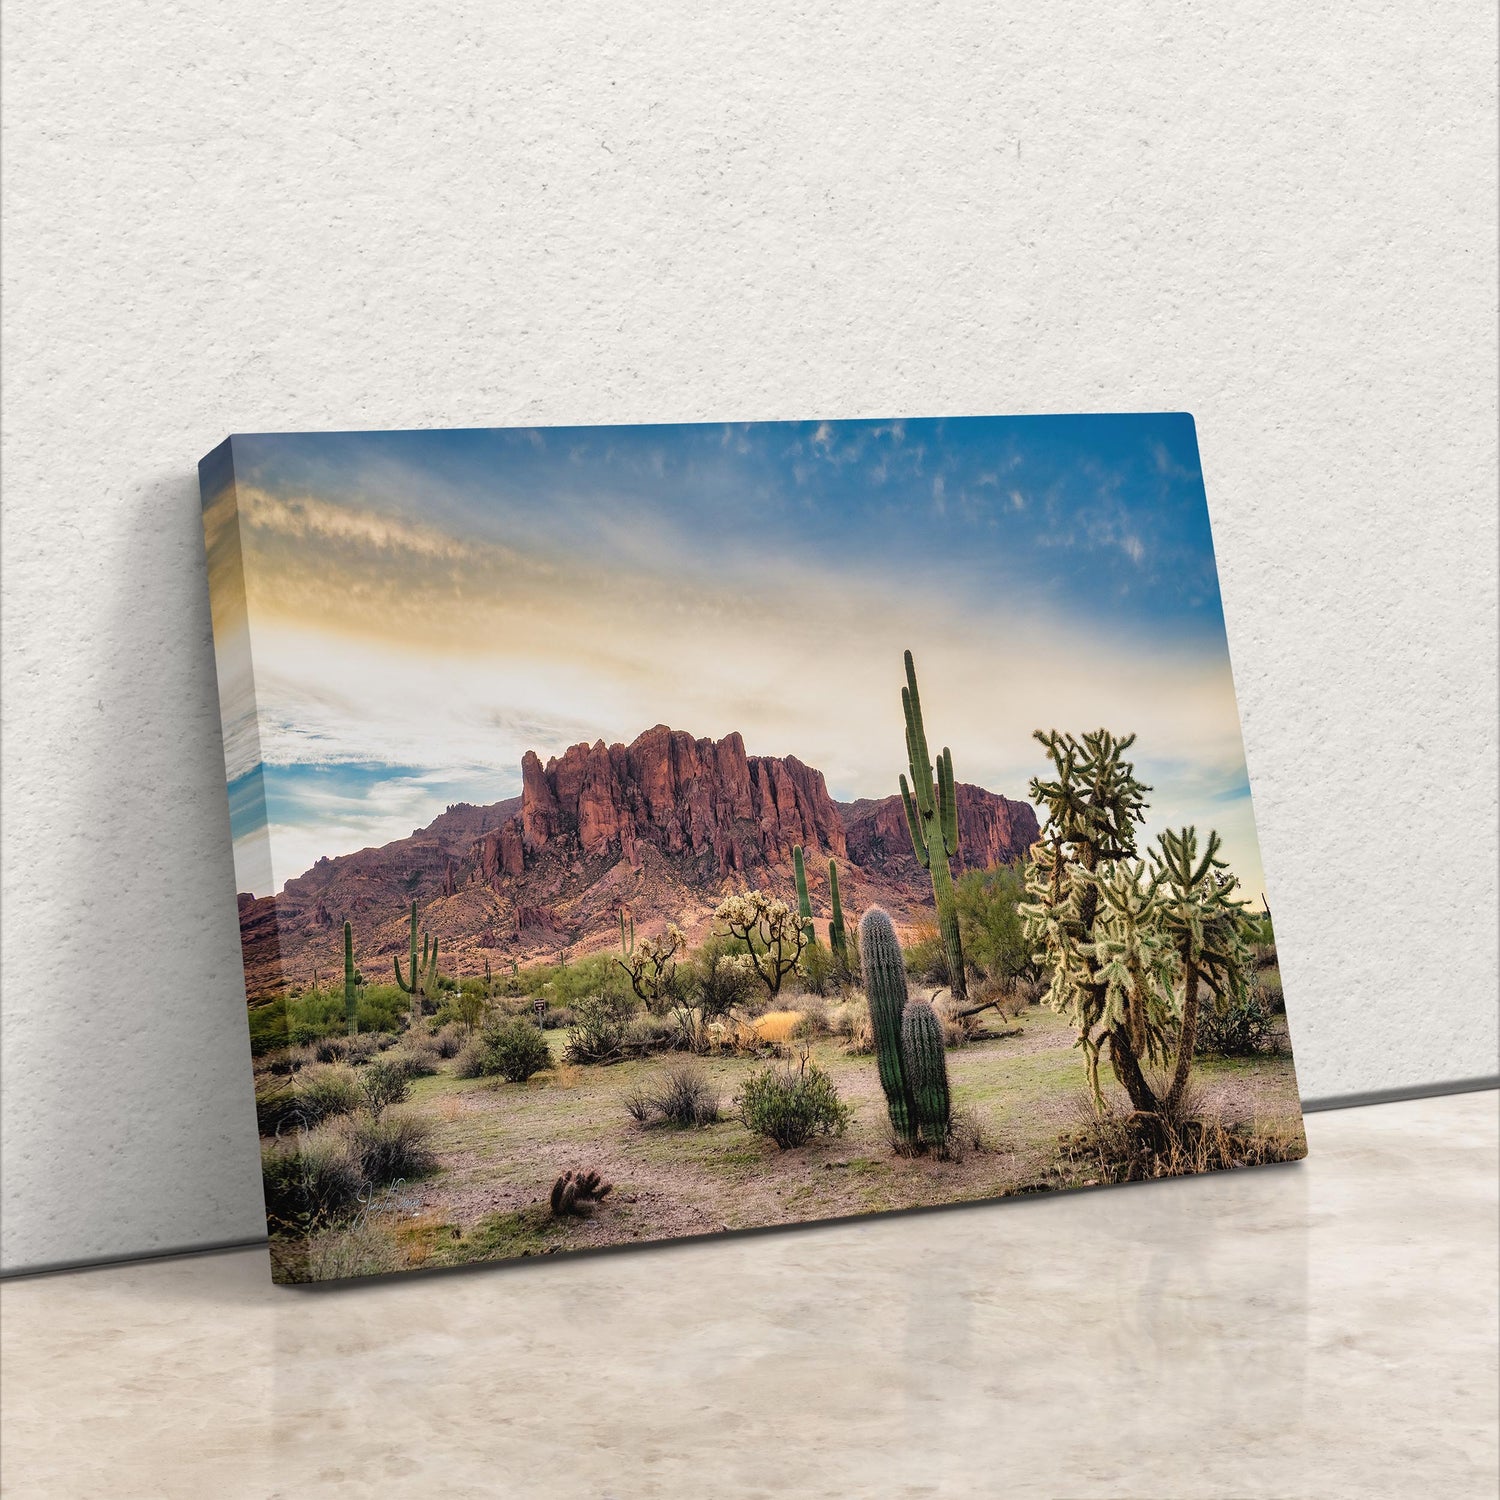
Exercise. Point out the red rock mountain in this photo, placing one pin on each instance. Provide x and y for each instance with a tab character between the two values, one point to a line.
667	823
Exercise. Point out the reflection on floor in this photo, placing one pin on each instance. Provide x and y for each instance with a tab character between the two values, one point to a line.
1316	1330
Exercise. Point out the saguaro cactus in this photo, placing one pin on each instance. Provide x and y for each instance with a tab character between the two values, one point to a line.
885	986
932	817
837	937
627	943
423	979
804	901
351	997
926	1071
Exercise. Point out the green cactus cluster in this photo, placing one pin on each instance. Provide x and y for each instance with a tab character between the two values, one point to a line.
909	1050
423	970
931	803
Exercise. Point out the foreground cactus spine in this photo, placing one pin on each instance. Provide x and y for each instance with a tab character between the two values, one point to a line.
351	980
932	819
423	979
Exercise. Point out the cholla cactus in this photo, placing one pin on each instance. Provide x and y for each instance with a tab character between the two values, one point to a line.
1209	932
652	964
578	1193
1129	945
770	930
932	819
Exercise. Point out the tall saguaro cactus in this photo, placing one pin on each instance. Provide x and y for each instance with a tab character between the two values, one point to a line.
351	996
423	979
926	1071
931	804
838	939
804	901
908	1041
885	987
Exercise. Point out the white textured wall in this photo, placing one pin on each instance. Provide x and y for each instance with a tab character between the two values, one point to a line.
1280	217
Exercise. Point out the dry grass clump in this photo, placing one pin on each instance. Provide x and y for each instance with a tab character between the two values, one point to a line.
684	1097
1114	1146
777	1025
850	1020
390	1147
448	1040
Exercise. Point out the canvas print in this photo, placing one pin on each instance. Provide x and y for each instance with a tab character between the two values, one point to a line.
646	832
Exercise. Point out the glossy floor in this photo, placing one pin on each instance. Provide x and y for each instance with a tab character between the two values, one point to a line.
1317	1330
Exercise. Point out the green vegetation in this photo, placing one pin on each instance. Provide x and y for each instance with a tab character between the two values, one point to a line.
989	918
790	1105
932	818
926	1068
512	1049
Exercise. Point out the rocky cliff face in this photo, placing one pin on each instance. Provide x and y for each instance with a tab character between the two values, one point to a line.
704	798
666	824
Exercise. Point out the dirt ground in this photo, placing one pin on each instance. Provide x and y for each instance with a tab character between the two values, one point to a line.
500	1146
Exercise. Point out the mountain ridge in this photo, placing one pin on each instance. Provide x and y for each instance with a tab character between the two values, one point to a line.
667	824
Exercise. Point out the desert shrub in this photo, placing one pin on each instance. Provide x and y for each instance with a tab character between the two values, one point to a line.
360	1049
331	1049
646	1034
850	1020
327	1090
1243	1028
416	1055
721	979
926	957
276	1104
598	1029
288	1060
791	1104
1268	981
684	1096
448	1040
390	1146
515	1050
819	970
472	1059
383	1082
966	1135
990	923
814	1019
309	1179
958	1029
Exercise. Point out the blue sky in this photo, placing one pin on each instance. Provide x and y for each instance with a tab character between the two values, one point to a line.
423	606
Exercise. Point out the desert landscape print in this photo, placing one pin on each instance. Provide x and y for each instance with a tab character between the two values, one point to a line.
657	831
